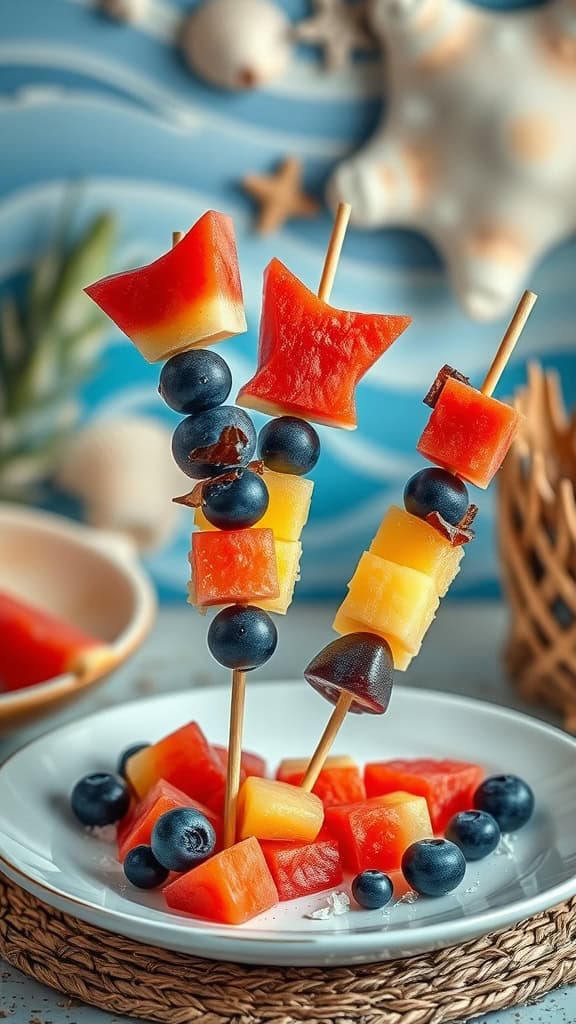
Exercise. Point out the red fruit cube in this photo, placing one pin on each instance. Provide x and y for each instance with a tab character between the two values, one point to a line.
232	887
184	758
468	433
375	833
339	782
300	869
233	567
251	764
448	786
137	827
190	296
36	645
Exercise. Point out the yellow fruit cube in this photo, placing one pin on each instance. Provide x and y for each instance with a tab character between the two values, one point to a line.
407	540
391	599
288	554
269	809
288	508
343	624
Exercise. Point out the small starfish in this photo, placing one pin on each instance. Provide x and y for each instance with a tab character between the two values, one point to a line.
338	29
280	195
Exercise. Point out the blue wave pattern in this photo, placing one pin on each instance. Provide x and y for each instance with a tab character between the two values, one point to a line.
82	98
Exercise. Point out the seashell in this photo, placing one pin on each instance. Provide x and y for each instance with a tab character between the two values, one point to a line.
237	44
122	470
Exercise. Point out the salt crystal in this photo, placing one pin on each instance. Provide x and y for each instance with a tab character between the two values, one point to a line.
505	847
408	897
105	833
472	888
337	903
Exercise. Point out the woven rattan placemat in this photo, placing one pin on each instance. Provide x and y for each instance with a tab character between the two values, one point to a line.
125	977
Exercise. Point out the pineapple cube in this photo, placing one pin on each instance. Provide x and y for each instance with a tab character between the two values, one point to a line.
288	554
288	509
343	624
407	540
392	600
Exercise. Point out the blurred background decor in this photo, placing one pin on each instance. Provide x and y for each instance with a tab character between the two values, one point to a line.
115	105
537	537
49	340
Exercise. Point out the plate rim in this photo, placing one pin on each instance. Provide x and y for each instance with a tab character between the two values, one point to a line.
221	939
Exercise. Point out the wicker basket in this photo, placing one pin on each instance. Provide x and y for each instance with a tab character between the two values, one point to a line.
537	541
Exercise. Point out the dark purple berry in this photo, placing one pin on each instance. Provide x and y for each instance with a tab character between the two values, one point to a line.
194	381
436	490
359	663
242	637
289	445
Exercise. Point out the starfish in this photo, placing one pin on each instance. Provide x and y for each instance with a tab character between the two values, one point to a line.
475	149
280	195
312	355
338	28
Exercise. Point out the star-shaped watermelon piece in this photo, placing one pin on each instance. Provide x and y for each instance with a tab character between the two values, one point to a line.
311	355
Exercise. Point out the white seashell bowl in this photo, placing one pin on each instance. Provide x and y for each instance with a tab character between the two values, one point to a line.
88	577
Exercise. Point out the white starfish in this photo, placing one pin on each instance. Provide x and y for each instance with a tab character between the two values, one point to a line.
338	28
477	148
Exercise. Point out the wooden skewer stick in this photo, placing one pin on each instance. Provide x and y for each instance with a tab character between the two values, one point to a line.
333	251
329	269
326	740
234	755
239	678
508	343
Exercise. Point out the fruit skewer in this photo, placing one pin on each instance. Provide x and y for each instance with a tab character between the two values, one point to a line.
238	677
355	672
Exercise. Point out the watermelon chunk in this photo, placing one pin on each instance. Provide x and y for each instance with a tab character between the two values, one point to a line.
301	869
36	645
185	759
375	833
448	786
233	567
192	295
250	763
311	355
137	827
339	782
232	887
468	433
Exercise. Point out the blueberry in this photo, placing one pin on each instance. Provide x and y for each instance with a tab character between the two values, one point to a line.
142	869
433	867
475	832
289	445
182	838
508	799
372	889
242	637
127	754
100	799
436	490
214	442
234	503
192	382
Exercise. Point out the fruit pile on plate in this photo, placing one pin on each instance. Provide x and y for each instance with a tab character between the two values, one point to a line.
424	818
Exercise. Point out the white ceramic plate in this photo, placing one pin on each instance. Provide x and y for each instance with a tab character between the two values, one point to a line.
43	850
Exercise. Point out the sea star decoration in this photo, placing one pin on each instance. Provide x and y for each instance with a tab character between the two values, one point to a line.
280	196
312	355
476	148
338	28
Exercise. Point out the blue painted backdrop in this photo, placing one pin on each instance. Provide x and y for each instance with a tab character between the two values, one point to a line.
84	98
